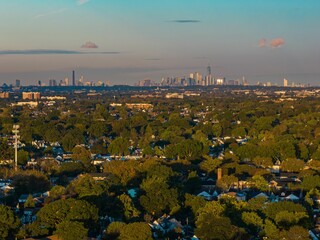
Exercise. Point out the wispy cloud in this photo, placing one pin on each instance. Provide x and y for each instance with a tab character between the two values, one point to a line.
278	42
81	2
273	43
48	52
152	59
89	44
61	10
185	21
263	43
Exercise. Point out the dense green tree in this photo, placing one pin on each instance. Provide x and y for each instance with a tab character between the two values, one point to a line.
71	168
119	146
212	227
98	129
9	223
71	230
253	221
159	172
53	133
191	149
83	155
26	182
194	203
316	154
136	231
263	161
310	182
5	151
114	229
129	210
226	182
271	231
239	132
264	123
85	185
213	207
209	165
285	214
292	165
171	151
148	151
256	204
71	139
217	130
23	157
57	191
247	151
294	233
303	151
54	213
126	171
193	183
159	198
258	182
201	137
286	219
30	202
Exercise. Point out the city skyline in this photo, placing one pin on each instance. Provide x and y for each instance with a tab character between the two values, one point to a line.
127	41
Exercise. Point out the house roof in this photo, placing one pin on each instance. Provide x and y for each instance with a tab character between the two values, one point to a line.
204	194
261	195
292	197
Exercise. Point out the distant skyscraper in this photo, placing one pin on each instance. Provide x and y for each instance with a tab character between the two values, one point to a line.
73	78
52	83
220	81
209	71
80	81
39	83
244	81
18	83
285	82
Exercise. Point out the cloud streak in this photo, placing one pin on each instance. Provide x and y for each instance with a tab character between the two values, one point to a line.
152	59
89	44
49	52
61	10
81	2
185	21
274	43
278	42
263	43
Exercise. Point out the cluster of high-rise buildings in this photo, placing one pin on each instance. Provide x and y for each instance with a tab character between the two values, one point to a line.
197	78
76	82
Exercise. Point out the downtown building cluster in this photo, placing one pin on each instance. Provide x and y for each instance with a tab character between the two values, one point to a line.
194	79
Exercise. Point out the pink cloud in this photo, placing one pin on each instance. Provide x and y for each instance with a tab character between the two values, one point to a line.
262	42
89	45
277	42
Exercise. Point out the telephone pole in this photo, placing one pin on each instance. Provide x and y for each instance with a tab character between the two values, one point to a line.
16	137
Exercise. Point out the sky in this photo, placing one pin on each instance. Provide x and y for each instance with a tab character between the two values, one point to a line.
124	41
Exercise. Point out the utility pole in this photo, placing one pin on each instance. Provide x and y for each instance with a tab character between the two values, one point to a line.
16	137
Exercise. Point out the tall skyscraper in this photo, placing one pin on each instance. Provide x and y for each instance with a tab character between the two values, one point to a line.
285	82
18	83
73	78
208	71
208	78
52	83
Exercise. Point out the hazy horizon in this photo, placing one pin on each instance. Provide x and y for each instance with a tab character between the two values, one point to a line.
127	41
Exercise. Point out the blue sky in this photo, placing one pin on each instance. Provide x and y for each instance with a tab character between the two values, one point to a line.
131	40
